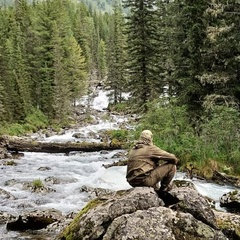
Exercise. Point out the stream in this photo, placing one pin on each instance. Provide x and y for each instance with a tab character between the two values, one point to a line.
65	174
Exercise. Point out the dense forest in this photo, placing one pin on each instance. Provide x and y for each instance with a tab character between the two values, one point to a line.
179	60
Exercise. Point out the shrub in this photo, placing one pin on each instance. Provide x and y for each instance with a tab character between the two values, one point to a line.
217	137
36	119
37	183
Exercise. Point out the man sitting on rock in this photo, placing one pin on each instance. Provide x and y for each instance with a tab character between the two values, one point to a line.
144	166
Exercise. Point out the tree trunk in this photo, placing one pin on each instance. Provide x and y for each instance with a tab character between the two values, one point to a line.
25	145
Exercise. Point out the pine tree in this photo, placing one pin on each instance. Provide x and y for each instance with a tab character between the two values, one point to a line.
50	13
116	55
101	60
16	76
76	70
190	36
81	30
3	27
221	74
164	60
61	91
142	51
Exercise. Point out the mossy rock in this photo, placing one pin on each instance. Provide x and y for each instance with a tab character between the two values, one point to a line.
69	232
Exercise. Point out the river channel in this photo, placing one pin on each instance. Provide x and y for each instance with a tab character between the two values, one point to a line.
67	174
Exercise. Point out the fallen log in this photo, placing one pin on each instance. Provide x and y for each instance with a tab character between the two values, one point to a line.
21	145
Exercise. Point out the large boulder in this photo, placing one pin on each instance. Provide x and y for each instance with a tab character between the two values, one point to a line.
139	213
229	223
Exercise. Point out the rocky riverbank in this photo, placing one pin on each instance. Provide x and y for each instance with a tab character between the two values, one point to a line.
137	213
141	214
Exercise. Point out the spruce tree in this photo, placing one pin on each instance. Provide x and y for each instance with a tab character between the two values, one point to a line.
76	70
61	91
190	28
16	76
116	55
221	74
142	51
81	30
101	60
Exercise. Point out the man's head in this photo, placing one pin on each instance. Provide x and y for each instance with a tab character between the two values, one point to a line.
146	137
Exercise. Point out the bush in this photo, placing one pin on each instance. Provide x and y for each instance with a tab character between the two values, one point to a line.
33	122
15	129
217	138
36	119
37	183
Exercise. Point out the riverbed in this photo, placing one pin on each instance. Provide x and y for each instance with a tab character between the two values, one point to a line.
65	175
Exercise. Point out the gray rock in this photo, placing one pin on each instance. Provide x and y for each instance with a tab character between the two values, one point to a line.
231	200
139	214
190	201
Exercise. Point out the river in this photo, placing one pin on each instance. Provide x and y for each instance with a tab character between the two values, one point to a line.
67	174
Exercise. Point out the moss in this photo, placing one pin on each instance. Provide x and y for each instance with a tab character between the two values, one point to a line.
237	231
233	195
10	163
229	227
68	232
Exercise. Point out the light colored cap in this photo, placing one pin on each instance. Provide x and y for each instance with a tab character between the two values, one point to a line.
146	136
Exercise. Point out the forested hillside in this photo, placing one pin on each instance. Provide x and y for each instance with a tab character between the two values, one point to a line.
98	5
179	60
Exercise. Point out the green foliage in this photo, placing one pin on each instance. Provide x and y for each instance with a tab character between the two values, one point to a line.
13	129
37	183
119	107
142	49
36	119
121	134
220	135
217	138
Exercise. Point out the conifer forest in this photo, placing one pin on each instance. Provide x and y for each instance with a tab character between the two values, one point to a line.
179	61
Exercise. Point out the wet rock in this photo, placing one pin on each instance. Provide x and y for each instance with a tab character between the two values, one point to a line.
44	168
139	213
37	187
4	217
34	220
5	195
231	201
95	192
78	135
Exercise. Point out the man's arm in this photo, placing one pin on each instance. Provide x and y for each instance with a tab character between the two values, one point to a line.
159	154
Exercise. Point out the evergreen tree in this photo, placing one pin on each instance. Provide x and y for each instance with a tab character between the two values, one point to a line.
46	14
81	30
165	43
142	51
116	55
61	95
190	37
76	70
50	14
102	68
2	63
221	74
16	76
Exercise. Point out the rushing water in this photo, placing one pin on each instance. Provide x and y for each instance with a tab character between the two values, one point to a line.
71	172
